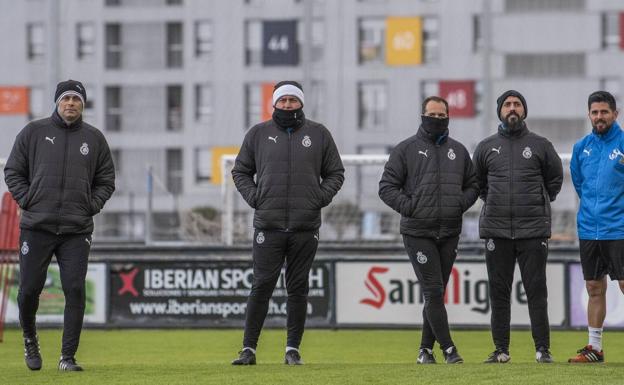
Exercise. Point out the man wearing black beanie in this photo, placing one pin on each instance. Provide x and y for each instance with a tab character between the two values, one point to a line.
297	171
60	172
519	174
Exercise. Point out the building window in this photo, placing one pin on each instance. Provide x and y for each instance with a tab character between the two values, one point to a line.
113	108
174	108
35	99
253	104
317	39
112	3
544	5
203	39
611	30
113	46
174	45
89	107
477	33
253	42
545	65
314	100
174	2
612	85
36	41
203	103
371	40
174	171
372	104
431	39
203	165
85	44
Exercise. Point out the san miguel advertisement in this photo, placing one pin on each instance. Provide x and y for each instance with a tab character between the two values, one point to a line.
202	294
379	292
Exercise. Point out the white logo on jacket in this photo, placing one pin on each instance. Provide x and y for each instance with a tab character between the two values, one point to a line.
527	152
84	149
586	151
260	238
274	139
421	257
451	154
306	142
51	140
423	153
490	245
25	249
497	149
615	153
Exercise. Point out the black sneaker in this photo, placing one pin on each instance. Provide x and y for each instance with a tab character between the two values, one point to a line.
451	356
425	356
32	353
292	357
69	364
543	355
245	357
498	356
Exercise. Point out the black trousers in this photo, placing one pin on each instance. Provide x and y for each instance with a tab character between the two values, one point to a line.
270	250
433	261
72	254
500	257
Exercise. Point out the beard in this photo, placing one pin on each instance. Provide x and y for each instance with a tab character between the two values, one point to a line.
604	124
513	120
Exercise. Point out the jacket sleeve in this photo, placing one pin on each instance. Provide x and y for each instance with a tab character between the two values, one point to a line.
481	172
470	187
332	170
552	170
392	183
103	184
244	170
575	169
16	170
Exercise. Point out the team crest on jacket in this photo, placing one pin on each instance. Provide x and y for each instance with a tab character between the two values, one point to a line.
421	257
527	152
451	154
306	142
260	238
490	245
615	153
84	149
25	249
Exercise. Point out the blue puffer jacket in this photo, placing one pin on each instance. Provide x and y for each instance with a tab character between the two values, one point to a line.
597	169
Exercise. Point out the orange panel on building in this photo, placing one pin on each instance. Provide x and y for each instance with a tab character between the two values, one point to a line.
267	101
14	100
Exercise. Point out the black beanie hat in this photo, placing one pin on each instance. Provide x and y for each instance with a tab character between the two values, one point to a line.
70	87
501	99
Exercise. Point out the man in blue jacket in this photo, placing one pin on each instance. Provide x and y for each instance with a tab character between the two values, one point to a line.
597	170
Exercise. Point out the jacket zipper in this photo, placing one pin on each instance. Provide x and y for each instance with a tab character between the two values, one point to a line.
437	155
288	181
60	203
511	177
596	191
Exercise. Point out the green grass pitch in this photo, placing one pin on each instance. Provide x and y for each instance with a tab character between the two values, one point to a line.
332	357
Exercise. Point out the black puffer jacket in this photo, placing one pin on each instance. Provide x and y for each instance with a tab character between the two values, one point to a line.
60	175
430	185
297	174
519	175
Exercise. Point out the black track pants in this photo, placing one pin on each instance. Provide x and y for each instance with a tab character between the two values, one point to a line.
270	250
72	254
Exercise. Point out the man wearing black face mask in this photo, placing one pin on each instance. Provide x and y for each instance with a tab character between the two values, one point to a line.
519	174
430	180
298	171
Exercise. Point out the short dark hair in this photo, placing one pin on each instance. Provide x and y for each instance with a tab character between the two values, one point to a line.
434	99
601	97
284	82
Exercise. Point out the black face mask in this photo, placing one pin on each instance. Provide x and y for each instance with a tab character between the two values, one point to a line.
289	118
435	126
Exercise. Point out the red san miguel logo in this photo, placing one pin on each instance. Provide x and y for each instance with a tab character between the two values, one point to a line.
462	290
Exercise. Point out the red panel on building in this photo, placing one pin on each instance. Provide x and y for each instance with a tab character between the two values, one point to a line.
460	96
267	101
13	100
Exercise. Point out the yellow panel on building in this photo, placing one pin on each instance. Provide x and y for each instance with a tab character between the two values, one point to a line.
217	152
403	41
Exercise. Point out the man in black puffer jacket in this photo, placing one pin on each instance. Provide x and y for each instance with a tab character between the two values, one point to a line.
519	175
60	172
430	180
298	171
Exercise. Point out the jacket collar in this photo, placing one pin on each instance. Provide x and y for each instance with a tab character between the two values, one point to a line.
422	133
504	131
613	132
59	122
